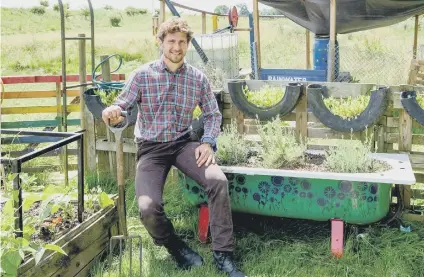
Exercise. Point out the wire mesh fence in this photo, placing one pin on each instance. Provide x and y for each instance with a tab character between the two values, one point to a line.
222	53
372	64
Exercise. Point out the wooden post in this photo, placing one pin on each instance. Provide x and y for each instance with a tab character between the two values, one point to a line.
214	23
155	25
332	42
106	76
414	49
405	146
87	121
203	23
308	50
256	31
162	11
302	117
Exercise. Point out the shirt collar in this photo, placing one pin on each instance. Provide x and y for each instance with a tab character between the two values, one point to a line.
163	67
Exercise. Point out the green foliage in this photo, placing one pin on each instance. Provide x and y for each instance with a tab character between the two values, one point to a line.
38	10
352	156
44	3
55	203
115	20
349	107
221	9
108	7
420	100
85	12
108	97
267	96
131	11
232	149
278	146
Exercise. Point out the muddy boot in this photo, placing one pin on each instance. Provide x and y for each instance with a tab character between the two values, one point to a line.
183	255
224	262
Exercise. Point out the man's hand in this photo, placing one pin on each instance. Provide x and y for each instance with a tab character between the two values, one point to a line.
204	155
112	115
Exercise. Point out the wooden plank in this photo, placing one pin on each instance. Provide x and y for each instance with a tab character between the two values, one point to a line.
416	138
393	122
51	79
37	124
38	109
103	145
203	22
256	31
417	160
29	139
36	94
302	117
73	232
72	246
331	134
85	271
405	132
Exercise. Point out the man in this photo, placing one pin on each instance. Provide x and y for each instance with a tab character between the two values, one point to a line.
166	92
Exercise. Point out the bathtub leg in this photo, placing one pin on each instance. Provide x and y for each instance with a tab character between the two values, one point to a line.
337	237
203	224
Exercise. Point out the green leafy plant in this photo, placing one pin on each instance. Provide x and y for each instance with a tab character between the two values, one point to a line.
267	96
38	10
278	146
232	149
115	20
108	97
352	156
349	107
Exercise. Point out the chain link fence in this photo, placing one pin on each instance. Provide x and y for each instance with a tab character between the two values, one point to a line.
375	63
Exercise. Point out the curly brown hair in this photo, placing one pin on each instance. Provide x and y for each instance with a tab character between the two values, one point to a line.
174	25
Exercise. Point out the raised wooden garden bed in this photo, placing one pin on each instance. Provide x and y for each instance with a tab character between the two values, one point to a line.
83	244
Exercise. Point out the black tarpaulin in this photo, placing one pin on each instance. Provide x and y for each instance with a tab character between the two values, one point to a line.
352	15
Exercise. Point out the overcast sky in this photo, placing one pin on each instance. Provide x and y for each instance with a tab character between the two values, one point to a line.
200	4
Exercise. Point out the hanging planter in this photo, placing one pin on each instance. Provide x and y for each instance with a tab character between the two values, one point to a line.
96	106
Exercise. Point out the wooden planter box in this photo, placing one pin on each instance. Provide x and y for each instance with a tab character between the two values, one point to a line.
83	244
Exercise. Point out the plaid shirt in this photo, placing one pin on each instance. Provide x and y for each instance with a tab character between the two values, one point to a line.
166	102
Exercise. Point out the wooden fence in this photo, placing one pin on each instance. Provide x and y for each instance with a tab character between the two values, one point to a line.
30	112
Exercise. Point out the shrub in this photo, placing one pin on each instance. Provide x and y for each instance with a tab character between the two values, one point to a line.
115	20
85	12
349	107
38	10
278	146
44	3
267	96
108	7
232	148
131	11
352	156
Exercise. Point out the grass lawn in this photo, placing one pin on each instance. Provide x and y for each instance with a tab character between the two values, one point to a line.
270	246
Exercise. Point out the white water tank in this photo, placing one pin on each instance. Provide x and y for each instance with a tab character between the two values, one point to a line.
220	49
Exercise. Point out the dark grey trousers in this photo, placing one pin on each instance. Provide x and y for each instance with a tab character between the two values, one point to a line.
154	160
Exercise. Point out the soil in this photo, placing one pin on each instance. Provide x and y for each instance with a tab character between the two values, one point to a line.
55	225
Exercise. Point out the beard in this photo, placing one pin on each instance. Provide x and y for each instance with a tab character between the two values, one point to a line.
174	58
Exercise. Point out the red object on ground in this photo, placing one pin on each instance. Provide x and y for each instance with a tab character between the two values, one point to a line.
203	225
337	237
233	16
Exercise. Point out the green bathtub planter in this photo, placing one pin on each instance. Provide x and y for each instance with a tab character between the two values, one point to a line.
360	198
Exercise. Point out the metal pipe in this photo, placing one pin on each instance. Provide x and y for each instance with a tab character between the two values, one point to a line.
49	148
80	177
92	36
19	228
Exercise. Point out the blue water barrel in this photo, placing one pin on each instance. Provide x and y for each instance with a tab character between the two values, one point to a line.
321	54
